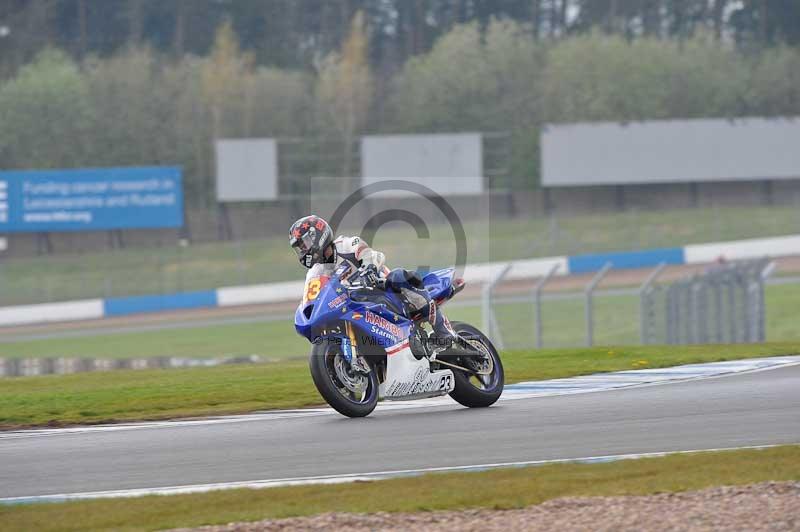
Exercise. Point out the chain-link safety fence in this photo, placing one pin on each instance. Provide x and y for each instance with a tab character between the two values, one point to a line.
724	303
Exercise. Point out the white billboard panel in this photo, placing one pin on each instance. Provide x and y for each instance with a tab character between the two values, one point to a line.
670	151
449	164
247	169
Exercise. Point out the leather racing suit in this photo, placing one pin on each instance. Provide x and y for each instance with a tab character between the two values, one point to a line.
419	304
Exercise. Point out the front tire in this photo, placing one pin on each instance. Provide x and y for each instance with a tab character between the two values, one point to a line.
477	391
349	393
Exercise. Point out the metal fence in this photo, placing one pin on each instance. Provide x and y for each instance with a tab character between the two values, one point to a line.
724	304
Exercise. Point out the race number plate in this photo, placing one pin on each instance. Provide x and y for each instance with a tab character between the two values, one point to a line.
313	288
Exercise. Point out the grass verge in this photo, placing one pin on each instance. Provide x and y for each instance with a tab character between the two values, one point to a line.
273	339
159	394
501	489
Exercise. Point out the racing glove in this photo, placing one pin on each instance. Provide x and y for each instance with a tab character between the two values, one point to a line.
369	274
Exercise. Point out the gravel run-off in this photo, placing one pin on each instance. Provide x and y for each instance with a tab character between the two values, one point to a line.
773	506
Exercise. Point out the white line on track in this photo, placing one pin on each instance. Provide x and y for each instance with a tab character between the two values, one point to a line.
599	382
342	479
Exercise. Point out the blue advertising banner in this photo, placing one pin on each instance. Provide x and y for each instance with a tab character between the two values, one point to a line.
91	199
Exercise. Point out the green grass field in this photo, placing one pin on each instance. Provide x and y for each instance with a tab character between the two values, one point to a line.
158	394
206	266
272	339
499	489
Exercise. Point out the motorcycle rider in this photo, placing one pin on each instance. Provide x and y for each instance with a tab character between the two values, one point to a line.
312	239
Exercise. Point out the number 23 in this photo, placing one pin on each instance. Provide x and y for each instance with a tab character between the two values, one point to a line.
445	384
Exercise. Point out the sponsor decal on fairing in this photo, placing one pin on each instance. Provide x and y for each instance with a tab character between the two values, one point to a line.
337	302
422	382
374	319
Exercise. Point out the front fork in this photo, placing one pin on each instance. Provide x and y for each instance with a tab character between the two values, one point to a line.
350	350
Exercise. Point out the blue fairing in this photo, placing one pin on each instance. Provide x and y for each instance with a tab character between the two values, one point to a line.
373	322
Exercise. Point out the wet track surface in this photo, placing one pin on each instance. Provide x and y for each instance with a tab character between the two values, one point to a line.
738	410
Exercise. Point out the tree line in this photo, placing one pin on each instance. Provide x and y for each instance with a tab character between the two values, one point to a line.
126	101
294	33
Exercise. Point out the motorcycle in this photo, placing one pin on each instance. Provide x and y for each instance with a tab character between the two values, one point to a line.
346	315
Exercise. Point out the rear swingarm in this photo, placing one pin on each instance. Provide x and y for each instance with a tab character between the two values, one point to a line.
460	368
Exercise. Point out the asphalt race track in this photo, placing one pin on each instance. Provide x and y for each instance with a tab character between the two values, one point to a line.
758	408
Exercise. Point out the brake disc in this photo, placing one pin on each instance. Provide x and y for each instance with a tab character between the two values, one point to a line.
355	382
484	366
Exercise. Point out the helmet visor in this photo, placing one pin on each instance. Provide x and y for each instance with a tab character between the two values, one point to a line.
303	244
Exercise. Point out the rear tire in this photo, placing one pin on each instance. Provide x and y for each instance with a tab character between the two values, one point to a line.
332	389
469	390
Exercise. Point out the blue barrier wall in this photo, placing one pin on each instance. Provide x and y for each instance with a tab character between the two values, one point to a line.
631	259
120	306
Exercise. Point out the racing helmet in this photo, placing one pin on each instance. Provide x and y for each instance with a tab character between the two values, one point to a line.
312	239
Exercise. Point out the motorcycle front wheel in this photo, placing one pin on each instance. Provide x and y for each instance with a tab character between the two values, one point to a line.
350	393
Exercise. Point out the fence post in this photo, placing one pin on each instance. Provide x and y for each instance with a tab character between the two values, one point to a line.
766	271
699	301
490	326
742	281
589	293
537	304
749	273
668	304
731	296
716	286
690	312
685	314
644	292
675	312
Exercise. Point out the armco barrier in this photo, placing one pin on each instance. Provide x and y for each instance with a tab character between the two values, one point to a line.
625	260
474	273
253	294
520	269
120	306
89	309
743	249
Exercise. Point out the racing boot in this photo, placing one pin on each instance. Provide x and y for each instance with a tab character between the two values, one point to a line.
444	337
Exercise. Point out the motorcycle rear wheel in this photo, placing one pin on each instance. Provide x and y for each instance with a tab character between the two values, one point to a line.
349	393
478	391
